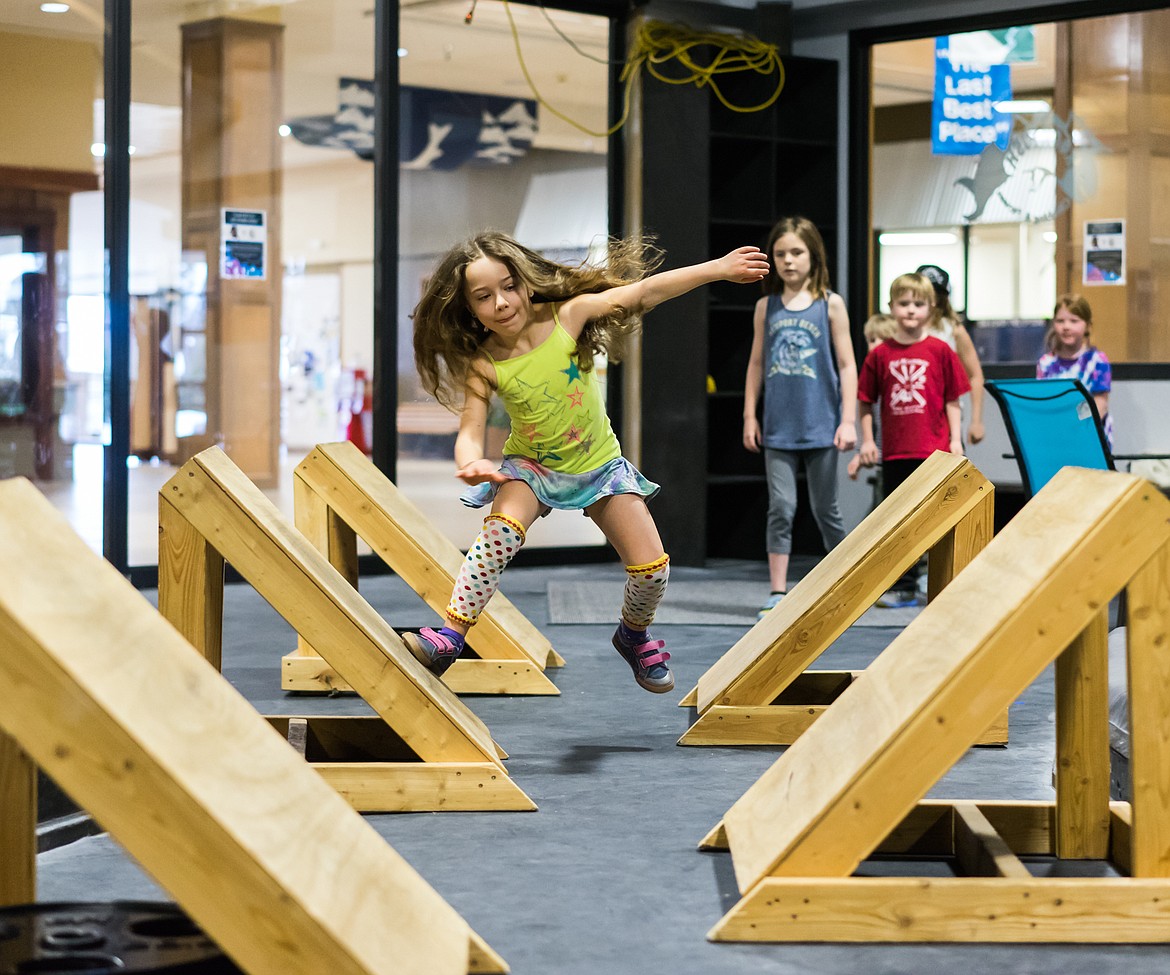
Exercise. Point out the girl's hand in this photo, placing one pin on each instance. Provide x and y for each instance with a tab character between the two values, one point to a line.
957	447
846	436
975	432
854	467
751	434
869	453
744	265
479	471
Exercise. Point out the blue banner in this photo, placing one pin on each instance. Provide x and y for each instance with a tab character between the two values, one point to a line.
964	119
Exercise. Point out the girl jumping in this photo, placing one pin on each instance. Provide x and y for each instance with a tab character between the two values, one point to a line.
497	317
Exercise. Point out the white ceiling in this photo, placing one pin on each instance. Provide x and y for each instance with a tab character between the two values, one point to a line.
328	39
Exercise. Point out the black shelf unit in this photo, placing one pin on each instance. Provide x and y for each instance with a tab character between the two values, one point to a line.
764	165
714	179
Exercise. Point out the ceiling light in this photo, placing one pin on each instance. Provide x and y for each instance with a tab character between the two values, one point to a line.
1016	106
54	8
915	239
283	131
402	52
97	149
1049	236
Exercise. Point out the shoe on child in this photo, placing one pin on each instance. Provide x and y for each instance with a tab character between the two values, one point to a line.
897	599
646	658
770	604
434	649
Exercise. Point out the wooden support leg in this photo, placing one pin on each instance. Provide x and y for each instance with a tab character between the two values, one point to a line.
18	825
1148	634
330	535
1082	744
960	545
190	583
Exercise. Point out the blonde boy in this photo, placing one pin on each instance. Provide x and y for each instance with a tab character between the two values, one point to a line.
918	379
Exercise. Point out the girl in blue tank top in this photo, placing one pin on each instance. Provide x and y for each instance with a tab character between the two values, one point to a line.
802	363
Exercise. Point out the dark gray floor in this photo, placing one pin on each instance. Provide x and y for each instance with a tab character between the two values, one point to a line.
605	878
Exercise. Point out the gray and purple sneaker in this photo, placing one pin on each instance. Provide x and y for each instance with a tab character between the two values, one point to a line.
434	649
646	658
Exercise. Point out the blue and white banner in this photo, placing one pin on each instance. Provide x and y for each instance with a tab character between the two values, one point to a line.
964	119
437	129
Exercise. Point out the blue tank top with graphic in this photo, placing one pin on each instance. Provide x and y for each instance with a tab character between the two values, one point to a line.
802	394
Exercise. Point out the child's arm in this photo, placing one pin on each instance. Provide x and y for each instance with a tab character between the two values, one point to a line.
970	359
869	452
846	435
470	463
953	417
743	266
754	380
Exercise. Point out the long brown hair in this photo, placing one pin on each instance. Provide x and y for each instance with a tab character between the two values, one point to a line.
818	272
1079	307
448	337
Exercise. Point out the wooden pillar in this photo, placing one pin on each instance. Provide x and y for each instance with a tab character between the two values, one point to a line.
232	82
18	825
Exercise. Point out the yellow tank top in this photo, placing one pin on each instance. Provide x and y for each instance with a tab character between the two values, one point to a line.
557	411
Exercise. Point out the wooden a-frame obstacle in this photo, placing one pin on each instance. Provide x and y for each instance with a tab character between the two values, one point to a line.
339	495
851	785
101	692
426	750
761	691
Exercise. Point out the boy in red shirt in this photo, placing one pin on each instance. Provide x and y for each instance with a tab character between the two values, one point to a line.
918	380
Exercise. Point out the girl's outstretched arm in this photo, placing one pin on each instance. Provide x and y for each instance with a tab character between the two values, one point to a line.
743	266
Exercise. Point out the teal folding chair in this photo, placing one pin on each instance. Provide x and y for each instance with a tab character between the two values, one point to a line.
1052	423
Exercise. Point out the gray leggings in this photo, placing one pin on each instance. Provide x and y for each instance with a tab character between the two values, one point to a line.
820	467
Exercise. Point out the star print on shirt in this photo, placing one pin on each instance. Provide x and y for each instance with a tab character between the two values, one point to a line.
575	396
537	399
573	434
573	372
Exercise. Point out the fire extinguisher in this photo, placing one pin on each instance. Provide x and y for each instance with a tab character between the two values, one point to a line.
361	412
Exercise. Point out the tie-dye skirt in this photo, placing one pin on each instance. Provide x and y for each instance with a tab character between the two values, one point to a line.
570	492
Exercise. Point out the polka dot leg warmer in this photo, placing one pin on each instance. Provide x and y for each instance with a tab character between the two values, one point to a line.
645	586
479	576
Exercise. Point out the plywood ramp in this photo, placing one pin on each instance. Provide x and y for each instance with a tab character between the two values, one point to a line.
340	496
759	693
209	511
1037	593
140	730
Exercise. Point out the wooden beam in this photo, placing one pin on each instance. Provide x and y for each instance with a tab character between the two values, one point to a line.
405	539
980	850
190	582
1148	636
1082	744
18	821
944	491
826	804
924	909
140	730
220	503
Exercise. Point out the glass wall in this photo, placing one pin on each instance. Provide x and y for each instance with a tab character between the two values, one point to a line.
1028	162
51	273
252	229
480	152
